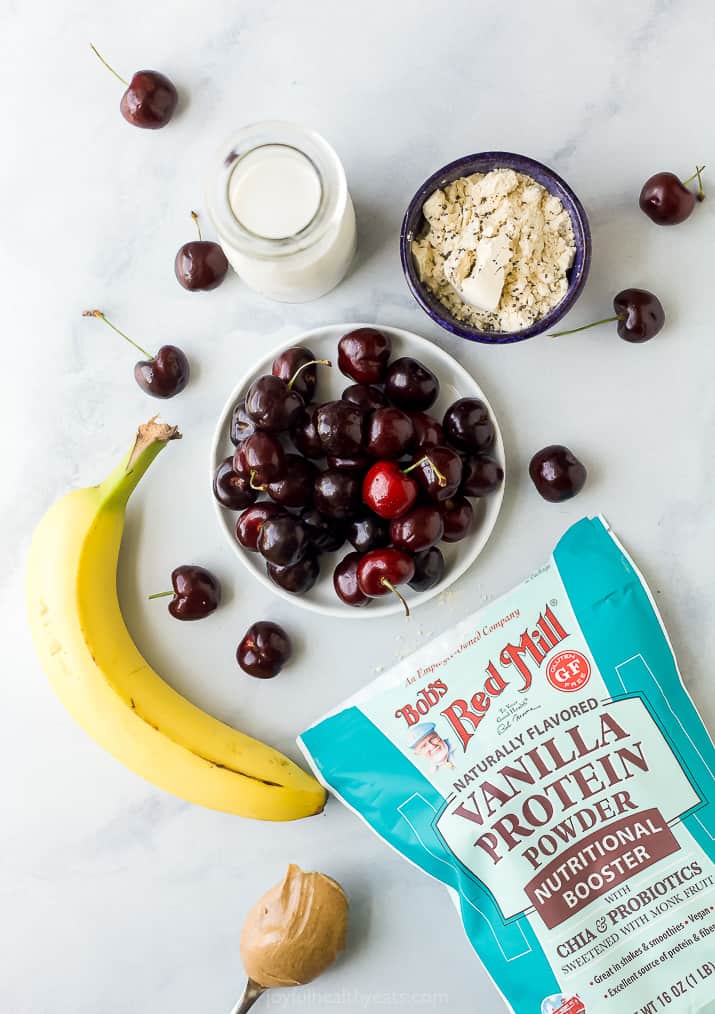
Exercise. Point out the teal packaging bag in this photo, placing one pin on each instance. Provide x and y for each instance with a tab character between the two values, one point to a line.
544	761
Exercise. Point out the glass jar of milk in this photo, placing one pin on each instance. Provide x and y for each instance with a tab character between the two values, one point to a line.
279	201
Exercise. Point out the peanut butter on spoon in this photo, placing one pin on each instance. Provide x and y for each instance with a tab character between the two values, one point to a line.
293	934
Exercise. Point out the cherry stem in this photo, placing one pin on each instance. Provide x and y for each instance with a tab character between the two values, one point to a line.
313	362
160	595
111	69
698	170
252	484
701	192
585	327
441	479
100	316
198	227
390	585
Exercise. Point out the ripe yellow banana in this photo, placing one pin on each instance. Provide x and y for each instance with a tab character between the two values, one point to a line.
110	689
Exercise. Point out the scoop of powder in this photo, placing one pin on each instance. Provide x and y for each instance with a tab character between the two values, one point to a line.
296	930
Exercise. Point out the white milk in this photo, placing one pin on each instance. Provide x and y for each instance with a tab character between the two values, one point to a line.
280	204
274	191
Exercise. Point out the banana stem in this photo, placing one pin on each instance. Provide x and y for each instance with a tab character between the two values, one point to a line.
151	438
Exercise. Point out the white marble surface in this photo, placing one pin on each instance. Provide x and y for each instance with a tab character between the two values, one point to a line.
114	896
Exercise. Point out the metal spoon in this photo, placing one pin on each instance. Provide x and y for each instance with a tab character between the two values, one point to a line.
250	995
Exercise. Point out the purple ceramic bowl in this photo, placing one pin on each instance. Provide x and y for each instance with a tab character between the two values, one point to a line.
484	162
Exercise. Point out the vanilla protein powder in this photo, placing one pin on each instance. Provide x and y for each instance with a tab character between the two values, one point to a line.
544	761
496	249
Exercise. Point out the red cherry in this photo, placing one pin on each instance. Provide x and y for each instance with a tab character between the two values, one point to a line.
639	316
438	470
427	429
557	473
150	99
162	375
345	581
298	365
264	650
201	264
231	489
421	529
388	491
380	571
458	516
666	199
251	521
196	593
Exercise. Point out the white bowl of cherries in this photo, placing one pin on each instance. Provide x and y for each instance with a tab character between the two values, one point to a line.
363	487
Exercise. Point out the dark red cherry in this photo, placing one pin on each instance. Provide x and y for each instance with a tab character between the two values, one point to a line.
418	530
261	458
427	429
666	199
150	98
300	577
390	433
557	473
264	650
201	264
368	532
410	385
282	540
640	315
482	475
294	486
429	570
162	375
388	491
365	396
363	355
305	437
345	581
300	363
337	494
382	570
341	427
250	521
438	470
231	489
273	405
325	534
467	425
458	516
242	426
196	592
165	374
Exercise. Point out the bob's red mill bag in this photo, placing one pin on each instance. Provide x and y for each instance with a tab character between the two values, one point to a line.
544	760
